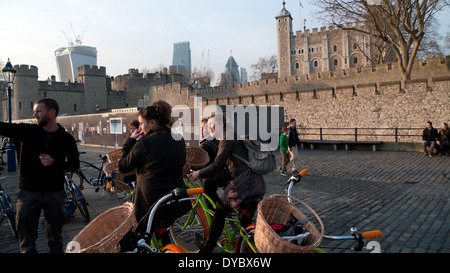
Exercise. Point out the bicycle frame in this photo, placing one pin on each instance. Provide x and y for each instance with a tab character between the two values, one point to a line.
7	210
151	245
354	235
232	226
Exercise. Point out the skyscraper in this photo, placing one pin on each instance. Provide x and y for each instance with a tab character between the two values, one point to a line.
181	62
69	58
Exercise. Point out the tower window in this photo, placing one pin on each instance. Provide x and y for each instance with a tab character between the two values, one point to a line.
355	60
297	66
316	64
335	62
335	48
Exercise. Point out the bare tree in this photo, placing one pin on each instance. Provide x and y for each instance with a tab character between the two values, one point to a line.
398	23
265	65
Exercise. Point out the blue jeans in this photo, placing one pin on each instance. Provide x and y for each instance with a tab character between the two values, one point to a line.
428	143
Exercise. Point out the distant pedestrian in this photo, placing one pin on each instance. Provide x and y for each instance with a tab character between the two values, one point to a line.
284	150
47	151
292	144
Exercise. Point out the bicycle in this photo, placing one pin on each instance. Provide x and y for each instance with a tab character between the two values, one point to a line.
354	235
74	199
8	211
238	238
151	244
119	190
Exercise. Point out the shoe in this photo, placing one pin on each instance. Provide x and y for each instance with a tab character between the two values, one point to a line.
279	168
425	154
283	174
430	155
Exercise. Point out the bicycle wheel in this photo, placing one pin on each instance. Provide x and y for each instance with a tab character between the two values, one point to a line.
80	202
10	214
244	246
183	229
123	192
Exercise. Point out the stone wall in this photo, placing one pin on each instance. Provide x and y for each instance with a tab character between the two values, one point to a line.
365	98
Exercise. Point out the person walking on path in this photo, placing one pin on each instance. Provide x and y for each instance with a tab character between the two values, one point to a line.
292	144
47	151
284	146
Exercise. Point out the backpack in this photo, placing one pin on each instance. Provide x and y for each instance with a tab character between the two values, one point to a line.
261	162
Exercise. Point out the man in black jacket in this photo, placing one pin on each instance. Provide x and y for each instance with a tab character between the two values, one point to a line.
429	139
292	144
45	146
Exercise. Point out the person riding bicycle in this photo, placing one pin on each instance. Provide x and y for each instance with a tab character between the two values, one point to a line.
158	159
47	151
244	182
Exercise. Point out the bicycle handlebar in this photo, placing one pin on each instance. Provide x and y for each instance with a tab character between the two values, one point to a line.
303	172
371	234
194	191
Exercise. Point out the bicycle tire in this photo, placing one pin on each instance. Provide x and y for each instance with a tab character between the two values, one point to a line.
183	229
80	202
10	214
242	245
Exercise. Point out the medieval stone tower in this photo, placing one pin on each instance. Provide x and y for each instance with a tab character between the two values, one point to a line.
305	52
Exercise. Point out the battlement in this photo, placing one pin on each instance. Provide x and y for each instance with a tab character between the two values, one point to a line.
88	70
326	30
432	68
60	86
26	70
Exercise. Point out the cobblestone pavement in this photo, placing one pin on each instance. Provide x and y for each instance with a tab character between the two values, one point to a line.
403	194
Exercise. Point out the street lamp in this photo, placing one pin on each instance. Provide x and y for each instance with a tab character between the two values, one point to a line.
8	74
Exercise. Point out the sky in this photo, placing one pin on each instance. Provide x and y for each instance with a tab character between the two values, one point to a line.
140	33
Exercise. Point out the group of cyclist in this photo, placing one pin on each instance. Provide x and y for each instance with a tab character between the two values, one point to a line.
48	150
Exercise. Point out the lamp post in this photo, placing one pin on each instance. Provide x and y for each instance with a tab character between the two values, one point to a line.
8	74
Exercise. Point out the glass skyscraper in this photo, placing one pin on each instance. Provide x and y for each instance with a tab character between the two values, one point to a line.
181	62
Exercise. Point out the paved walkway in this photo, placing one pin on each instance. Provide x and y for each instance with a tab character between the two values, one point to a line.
403	194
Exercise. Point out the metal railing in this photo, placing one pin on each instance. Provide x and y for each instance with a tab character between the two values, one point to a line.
362	134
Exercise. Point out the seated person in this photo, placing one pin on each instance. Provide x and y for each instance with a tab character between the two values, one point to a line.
429	139
443	141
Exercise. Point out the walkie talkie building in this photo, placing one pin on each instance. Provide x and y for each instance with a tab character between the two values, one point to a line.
69	58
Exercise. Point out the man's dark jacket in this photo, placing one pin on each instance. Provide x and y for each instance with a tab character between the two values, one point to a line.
429	134
293	137
33	175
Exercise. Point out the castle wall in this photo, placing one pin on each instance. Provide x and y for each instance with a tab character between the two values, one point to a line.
363	98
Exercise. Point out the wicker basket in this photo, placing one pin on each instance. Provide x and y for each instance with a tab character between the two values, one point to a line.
104	233
112	169
277	210
114	156
195	157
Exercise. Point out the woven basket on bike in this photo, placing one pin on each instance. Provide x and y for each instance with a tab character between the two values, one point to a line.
277	210
114	156
196	158
112	169
103	234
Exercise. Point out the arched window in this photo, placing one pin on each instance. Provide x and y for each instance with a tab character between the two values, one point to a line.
355	60
316	64
335	62
297	66
335	48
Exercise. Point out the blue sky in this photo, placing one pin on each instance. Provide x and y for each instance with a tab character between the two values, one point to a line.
140	34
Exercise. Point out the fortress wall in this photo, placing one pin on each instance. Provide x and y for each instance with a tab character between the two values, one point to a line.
365	98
